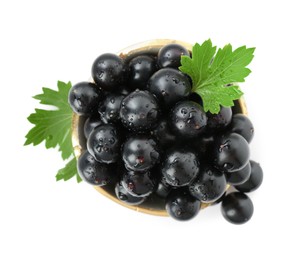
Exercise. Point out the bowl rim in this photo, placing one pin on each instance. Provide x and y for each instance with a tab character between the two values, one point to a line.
130	51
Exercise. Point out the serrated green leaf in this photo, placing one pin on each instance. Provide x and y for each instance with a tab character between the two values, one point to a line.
69	171
210	73
53	126
217	95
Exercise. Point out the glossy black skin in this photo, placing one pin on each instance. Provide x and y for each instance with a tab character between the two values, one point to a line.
187	119
180	167
104	144
139	111
237	208
169	86
123	195
90	124
255	179
180	205
109	71
93	172
109	109
84	98
209	186
242	125
231	152
170	55
240	176
163	188
140	153
139	184
218	122
141	69
163	134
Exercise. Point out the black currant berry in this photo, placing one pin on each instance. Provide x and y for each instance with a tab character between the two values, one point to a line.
188	119
141	69
138	184
218	122
240	176
110	107
140	153
94	172
104	144
180	167
181	205
169	86
209	186
123	195
255	179
231	152
237	208
170	55
84	98
109	71
139	111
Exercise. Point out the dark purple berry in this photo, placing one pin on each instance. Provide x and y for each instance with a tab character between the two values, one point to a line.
170	55
140	153
237	208
109	71
180	205
104	144
242	125
123	195
84	98
94	172
240	176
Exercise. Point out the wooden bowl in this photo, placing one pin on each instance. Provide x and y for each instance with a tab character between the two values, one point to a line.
155	205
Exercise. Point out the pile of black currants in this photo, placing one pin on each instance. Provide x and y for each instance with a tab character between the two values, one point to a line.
148	137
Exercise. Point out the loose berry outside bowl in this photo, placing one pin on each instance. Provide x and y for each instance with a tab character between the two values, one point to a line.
153	205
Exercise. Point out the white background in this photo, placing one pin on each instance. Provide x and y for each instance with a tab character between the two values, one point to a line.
42	42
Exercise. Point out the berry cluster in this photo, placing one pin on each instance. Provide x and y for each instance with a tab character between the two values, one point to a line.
148	136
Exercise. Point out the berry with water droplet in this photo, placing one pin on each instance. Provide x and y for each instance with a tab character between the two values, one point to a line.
110	107
84	98
187	119
124	196
141	69
170	55
140	153
93	172
209	186
180	167
138	184
139	111
109	71
104	143
169	86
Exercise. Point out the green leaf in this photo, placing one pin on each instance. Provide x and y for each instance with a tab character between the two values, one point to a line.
217	95
211	72
69	171
53	126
